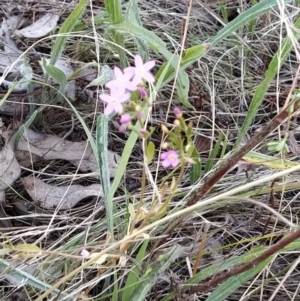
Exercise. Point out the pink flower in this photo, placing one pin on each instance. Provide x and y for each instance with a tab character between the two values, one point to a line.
125	119
122	128
122	81
143	131
170	159
143	92
177	112
141	70
139	115
114	101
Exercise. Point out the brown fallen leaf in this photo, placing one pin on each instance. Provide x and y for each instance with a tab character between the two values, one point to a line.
61	197
9	167
50	147
202	144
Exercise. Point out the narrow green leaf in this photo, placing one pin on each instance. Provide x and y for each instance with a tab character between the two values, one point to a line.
131	282
274	67
213	154
150	152
269	161
124	159
152	275
101	144
250	14
132	15
66	27
195	172
229	263
114	8
23	277
233	283
23	128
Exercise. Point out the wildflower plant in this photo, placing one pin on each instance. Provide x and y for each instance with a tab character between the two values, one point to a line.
127	97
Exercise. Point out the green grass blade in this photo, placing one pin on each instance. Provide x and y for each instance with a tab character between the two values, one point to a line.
229	263
132	15
114	8
275	65
23	277
250	14
195	172
152	275
268	161
101	144
124	159
213	154
23	128
233	283
66	27
131	282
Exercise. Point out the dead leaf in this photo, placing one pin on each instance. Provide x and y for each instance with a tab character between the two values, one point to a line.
10	168
50	147
202	144
26	159
62	197
40	28
11	53
14	22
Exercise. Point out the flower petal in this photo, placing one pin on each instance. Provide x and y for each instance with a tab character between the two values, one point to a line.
129	71
138	60
149	65
164	155
118	72
118	108
165	163
174	162
105	97
148	77
124	97
108	109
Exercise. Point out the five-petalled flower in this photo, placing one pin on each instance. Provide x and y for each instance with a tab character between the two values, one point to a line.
114	101
141	70
169	158
122	81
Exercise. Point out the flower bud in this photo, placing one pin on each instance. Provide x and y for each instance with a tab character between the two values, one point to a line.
177	112
143	131
165	145
164	129
176	122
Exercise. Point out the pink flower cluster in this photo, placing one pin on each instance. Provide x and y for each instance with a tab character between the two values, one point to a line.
126	81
